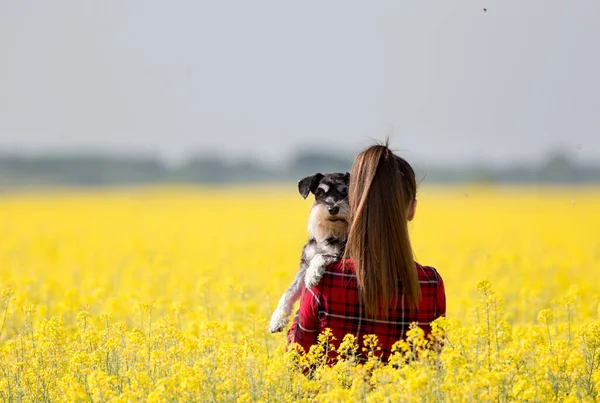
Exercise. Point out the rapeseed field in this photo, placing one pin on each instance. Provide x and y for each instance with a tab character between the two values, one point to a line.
164	295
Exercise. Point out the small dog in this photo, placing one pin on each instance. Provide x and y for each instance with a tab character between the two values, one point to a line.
328	230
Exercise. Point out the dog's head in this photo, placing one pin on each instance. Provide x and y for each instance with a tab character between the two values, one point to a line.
330	213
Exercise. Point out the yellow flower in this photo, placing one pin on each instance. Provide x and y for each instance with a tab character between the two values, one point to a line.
545	316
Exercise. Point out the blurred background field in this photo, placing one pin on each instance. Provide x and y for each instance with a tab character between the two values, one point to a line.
172	244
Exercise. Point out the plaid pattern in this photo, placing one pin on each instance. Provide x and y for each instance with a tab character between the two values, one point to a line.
335	303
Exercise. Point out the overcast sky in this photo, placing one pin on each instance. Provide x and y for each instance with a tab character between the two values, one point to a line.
265	78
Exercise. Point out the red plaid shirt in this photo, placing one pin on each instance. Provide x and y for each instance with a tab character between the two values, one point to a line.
334	303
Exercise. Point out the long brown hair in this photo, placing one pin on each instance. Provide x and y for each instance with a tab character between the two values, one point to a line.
382	188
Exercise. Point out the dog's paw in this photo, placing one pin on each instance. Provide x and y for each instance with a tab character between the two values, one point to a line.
311	281
315	271
279	321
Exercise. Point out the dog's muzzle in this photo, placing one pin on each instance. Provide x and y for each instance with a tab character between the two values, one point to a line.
336	214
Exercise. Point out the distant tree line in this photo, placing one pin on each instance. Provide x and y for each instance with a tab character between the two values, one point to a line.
102	170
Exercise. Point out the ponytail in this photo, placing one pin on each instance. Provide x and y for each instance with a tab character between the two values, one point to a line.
382	189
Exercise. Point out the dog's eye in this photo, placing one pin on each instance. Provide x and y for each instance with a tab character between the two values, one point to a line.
343	189
319	192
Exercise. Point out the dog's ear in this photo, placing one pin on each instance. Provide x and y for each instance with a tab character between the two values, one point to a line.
309	184
347	177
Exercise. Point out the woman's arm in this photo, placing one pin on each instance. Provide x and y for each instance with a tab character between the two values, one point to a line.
306	328
441	297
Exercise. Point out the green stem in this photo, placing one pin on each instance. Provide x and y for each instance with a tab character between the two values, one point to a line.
5	315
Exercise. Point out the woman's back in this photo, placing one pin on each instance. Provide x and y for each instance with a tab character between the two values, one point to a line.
335	304
380	289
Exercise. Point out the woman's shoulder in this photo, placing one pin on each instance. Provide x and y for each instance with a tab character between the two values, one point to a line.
341	266
428	273
339	274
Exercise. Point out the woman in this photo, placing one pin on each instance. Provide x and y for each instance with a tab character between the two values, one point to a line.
377	288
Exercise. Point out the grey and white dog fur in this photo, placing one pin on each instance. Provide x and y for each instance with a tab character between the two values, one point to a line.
328	230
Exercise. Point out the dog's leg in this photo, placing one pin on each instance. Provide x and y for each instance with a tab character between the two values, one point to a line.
281	315
317	267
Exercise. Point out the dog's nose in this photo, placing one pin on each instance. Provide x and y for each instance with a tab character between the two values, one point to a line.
333	210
